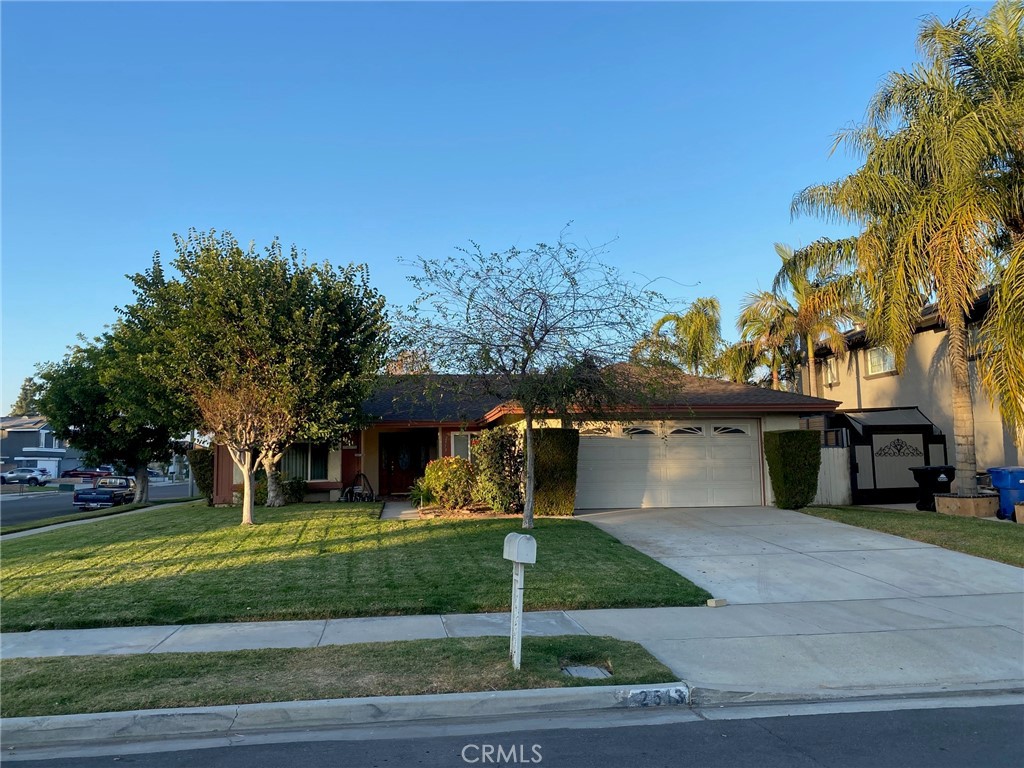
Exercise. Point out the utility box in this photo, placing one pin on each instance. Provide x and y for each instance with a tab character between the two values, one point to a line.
520	548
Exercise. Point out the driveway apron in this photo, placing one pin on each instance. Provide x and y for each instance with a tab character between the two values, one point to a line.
817	606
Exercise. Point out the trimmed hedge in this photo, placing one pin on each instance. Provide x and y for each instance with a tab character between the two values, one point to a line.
450	481
794	458
498	464
555	455
201	462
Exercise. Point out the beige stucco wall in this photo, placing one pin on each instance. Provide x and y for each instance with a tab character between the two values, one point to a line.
925	383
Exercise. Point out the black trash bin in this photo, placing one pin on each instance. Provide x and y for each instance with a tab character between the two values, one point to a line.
932	480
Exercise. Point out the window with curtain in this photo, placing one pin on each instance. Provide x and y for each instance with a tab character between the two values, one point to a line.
305	462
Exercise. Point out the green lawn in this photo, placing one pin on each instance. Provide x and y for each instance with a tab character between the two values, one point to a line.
78	684
196	564
992	539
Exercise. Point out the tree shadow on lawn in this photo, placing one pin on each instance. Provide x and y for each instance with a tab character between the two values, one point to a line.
468	575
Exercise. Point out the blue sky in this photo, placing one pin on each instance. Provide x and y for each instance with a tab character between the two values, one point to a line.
371	131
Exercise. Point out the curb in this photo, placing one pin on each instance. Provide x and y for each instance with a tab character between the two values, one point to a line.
65	730
702	697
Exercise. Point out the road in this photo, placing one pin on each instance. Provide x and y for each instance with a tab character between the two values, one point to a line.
40	506
989	736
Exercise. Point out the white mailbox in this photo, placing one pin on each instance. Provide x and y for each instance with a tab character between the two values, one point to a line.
520	548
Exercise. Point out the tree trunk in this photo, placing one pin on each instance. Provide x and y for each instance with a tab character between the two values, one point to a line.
141	486
530	474
243	459
275	493
812	371
963	408
776	384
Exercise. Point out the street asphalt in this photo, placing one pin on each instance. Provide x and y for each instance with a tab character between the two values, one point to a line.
41	505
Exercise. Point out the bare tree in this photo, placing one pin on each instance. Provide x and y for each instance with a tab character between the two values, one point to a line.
531	325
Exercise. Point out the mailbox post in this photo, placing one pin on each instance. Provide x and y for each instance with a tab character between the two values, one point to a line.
520	549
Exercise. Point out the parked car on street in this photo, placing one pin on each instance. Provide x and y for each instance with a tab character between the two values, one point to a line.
109	492
89	472
25	476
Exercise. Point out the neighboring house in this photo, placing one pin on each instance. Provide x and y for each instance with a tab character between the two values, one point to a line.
699	443
873	395
27	441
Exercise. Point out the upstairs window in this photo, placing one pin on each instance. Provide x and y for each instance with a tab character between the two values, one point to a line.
881	360
831	372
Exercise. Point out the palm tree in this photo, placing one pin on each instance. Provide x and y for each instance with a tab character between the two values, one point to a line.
765	322
942	182
694	343
825	302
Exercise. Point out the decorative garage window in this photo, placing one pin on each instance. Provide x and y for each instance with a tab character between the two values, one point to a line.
730	431
602	429
631	431
881	360
305	462
685	431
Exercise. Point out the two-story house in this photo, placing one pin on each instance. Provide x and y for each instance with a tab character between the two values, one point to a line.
27	441
905	418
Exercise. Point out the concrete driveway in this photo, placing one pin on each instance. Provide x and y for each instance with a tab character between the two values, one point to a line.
819	607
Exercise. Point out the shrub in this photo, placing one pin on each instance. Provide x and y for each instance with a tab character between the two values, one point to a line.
201	461
450	481
420	494
498	464
555	452
794	458
294	490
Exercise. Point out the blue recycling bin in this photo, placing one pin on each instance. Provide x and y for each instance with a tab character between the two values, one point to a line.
1009	481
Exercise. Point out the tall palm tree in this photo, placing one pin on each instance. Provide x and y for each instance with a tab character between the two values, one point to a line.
766	323
942	181
690	342
825	303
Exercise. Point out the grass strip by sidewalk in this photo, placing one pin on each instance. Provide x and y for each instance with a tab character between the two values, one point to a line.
91	514
991	539
80	684
195	564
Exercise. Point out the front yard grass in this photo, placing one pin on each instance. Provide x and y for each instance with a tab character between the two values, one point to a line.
189	565
991	539
79	684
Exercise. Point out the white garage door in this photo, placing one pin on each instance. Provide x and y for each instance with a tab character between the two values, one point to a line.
711	462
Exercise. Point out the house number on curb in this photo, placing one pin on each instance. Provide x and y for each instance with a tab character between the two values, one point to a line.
520	549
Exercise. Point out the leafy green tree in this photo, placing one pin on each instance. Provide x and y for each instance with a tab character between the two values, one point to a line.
690	342
766	324
98	399
269	350
27	402
537	326
941	192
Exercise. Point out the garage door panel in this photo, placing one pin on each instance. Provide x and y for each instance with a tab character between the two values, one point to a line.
677	470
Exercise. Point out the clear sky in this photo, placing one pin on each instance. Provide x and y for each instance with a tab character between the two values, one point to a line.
371	131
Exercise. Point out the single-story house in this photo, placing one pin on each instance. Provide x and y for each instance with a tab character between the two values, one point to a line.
698	442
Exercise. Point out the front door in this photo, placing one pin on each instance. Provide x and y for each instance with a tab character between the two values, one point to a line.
403	458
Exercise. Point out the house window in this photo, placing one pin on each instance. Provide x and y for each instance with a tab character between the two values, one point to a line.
684	431
462	444
831	372
881	360
305	462
730	431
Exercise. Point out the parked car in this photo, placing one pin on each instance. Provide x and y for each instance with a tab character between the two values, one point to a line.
109	492
25	476
89	472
